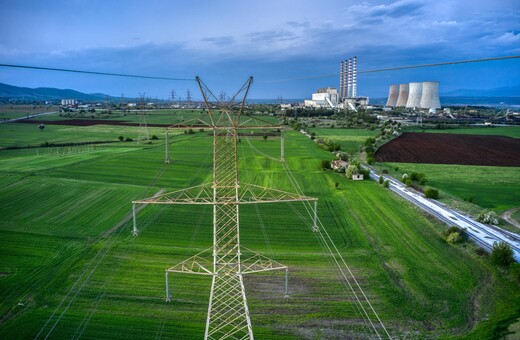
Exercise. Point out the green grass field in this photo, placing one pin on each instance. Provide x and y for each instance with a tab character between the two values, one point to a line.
71	269
496	188
349	139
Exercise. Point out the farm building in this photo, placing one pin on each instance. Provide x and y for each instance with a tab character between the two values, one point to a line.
357	177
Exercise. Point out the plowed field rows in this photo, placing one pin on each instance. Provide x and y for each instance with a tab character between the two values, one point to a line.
440	148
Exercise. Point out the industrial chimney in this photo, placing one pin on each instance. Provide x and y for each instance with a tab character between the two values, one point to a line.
393	93
430	95
349	78
414	95
354	78
403	95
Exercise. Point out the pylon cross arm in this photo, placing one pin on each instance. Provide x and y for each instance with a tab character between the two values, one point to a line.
201	264
253	262
201	194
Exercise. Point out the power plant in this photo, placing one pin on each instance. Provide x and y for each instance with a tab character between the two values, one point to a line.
402	99
430	95
348	79
347	97
393	93
415	95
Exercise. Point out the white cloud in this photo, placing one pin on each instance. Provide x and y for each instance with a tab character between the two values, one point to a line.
509	38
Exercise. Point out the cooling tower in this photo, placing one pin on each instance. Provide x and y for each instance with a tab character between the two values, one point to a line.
403	95
392	96
430	95
414	95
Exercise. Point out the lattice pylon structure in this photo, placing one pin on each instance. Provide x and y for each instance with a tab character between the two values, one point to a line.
227	260
167	159
144	135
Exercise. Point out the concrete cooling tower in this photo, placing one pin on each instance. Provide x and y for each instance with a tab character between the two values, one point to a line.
414	95
403	95
392	96
430	95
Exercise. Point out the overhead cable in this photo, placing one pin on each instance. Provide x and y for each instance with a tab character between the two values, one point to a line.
394	68
95	73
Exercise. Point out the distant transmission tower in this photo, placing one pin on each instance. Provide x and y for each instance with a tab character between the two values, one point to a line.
188	99
143	136
227	260
167	159
222	97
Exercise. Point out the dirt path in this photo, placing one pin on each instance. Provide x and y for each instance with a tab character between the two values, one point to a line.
507	216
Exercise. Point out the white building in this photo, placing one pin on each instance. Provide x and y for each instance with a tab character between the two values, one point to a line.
324	97
69	102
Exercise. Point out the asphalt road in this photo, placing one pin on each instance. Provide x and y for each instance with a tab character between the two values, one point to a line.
483	234
27	117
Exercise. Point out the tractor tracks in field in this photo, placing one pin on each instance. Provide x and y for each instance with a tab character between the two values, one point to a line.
347	241
110	239
508	216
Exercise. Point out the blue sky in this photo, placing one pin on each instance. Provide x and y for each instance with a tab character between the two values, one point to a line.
226	41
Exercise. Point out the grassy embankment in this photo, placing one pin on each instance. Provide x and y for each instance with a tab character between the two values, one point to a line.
349	139
59	230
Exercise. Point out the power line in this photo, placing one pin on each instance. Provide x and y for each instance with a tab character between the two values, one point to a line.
395	68
267	81
95	73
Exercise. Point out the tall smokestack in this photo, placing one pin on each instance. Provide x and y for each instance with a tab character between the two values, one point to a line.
414	95
340	79
430	95
393	93
345	76
349	78
354	78
403	95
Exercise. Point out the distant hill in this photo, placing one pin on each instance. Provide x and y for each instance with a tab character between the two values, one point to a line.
45	93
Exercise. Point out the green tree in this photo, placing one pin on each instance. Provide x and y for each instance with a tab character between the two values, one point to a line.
431	193
351	170
121	138
501	254
488	217
325	164
386	183
381	179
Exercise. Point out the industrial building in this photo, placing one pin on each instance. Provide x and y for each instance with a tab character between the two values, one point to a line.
430	95
348	97
393	93
415	95
324	98
402	98
69	102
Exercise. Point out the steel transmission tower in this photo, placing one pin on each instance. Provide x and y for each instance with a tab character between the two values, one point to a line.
144	135
227	260
167	159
